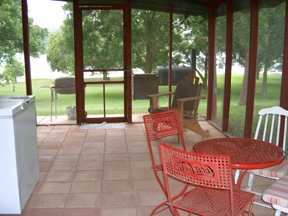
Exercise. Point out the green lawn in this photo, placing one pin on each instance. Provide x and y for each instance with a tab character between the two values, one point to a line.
114	100
237	112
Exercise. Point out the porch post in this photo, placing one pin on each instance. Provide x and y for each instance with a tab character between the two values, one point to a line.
284	83
254	13
211	61
170	74
127	63
78	56
26	49
228	65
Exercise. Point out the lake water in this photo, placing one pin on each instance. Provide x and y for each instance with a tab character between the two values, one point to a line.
40	69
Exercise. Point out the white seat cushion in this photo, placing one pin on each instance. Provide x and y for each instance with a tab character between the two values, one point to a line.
277	171
277	193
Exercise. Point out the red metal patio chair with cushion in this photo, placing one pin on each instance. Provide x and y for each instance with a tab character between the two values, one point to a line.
160	126
268	129
214	192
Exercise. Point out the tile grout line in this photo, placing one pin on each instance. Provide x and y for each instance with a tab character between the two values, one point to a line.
73	172
102	177
135	193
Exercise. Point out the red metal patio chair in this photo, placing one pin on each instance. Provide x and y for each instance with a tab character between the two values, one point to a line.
158	126
213	194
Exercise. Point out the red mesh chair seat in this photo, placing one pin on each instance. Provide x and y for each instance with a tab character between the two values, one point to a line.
205	201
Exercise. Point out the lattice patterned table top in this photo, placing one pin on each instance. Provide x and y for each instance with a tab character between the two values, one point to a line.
244	153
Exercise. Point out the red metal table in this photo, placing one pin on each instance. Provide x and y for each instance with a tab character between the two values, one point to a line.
245	154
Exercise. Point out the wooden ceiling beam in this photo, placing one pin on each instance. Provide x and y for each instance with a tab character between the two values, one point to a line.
210	4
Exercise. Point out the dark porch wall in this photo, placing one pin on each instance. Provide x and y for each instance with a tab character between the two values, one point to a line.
189	7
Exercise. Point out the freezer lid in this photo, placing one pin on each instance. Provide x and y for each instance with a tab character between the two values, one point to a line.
12	105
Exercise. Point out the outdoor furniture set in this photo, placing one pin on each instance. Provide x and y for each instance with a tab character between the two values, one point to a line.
216	167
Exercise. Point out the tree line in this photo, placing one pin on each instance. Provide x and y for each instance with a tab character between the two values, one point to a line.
103	41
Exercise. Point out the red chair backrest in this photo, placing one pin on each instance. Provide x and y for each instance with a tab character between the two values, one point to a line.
213	171
160	125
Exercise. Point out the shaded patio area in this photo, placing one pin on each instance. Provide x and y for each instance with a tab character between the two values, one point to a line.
100	172
95	171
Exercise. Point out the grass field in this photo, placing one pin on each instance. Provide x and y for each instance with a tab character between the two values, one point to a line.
237	112
115	104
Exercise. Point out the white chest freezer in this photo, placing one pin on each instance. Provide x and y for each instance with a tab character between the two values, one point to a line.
19	170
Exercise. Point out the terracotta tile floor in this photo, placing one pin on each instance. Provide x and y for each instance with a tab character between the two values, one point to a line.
103	172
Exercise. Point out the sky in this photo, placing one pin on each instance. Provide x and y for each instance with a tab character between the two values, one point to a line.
46	13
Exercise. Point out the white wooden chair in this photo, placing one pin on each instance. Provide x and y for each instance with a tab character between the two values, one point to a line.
268	129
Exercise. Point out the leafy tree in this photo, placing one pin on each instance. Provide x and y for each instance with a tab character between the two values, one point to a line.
11	37
150	32
270	45
191	33
103	46
60	59
1	79
103	43
12	70
38	39
241	33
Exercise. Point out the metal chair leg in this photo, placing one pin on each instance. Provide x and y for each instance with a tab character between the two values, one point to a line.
236	176
51	103
156	210
250	181
277	213
56	104
174	211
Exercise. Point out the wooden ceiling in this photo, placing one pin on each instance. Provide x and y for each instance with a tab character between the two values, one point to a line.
188	7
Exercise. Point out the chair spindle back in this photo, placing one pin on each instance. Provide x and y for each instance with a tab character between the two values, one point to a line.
270	119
